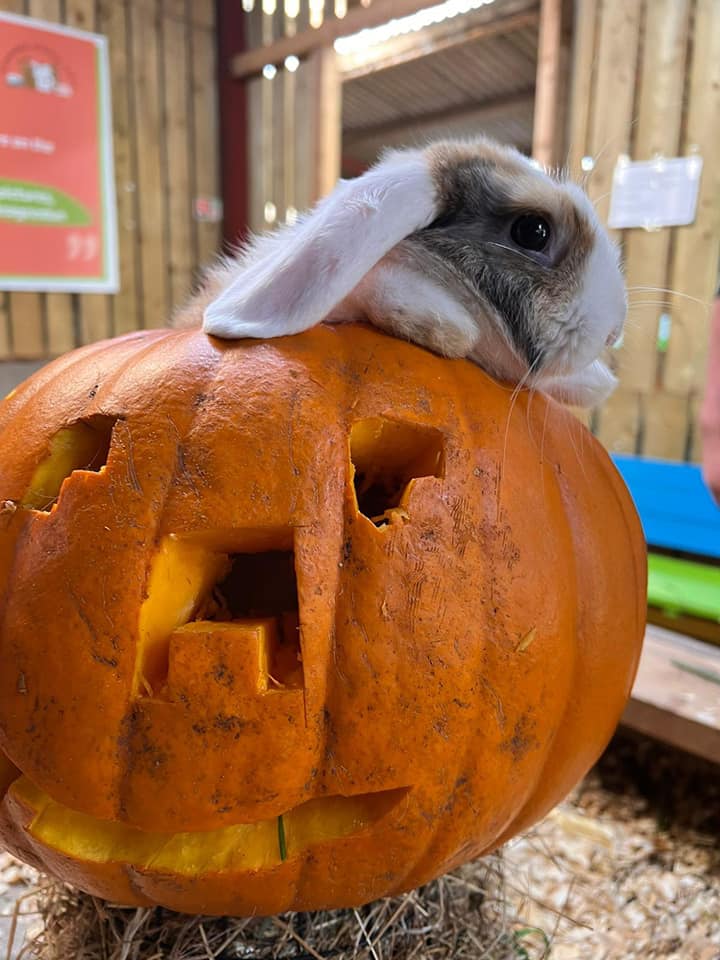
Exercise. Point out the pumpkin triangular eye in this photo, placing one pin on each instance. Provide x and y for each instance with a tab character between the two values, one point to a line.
386	456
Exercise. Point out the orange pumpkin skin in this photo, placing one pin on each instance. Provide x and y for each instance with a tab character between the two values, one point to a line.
459	666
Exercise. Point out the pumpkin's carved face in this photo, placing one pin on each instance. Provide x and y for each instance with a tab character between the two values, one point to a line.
301	623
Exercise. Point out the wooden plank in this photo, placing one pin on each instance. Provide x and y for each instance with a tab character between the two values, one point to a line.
582	82
666	424
620	421
697	248
5	340
276	160
660	110
113	19
610	135
675	697
201	13
206	136
175	40
402	50
93	310
305	42
326	120
256	91
304	157
150	175
614	94
547	84
691	626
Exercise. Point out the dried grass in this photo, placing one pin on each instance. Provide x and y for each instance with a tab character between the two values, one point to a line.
463	916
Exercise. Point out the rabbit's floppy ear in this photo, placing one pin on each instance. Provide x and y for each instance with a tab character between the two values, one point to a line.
291	280
586	388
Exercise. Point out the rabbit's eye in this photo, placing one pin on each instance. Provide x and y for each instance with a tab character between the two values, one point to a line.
531	232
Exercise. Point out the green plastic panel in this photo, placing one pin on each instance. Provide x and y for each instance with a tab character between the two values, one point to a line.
683	587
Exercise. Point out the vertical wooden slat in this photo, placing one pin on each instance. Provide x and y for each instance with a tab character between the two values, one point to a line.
5	341
205	120
153	306
177	152
303	143
659	116
583	73
325	120
620	421
93	310
697	248
255	129
613	112
546	130
113	19
665	420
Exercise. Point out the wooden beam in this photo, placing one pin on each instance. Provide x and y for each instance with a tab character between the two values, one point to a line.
501	25
482	110
326	120
248	64
547	84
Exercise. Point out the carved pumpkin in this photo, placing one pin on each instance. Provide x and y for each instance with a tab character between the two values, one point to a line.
298	623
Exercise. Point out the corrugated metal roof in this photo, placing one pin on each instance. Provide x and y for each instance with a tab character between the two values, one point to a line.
482	86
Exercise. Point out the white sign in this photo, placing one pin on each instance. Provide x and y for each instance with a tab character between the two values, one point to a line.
655	193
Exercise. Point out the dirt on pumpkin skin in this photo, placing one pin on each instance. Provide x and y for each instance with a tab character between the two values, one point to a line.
628	867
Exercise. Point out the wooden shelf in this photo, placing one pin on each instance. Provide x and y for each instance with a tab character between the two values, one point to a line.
676	697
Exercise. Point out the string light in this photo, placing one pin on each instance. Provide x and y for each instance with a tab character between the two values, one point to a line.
370	37
292	63
340	8
292	9
248	5
269	71
269	7
317	13
270	212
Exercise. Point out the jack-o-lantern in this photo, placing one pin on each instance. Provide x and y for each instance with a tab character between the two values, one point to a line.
298	623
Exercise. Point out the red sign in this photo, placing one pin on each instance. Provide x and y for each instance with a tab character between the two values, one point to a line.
57	199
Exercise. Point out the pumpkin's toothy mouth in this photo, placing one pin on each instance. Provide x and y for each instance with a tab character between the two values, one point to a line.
244	846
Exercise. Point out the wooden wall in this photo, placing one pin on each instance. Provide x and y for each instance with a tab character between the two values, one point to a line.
287	172
647	82
164	92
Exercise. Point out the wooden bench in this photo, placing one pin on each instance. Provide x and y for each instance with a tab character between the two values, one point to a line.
676	696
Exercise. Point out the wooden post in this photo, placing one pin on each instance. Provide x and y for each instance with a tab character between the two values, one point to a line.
326	120
546	123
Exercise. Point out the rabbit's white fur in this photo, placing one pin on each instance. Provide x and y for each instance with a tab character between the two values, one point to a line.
292	279
364	253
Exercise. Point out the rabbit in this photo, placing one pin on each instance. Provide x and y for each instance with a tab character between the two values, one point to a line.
466	248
